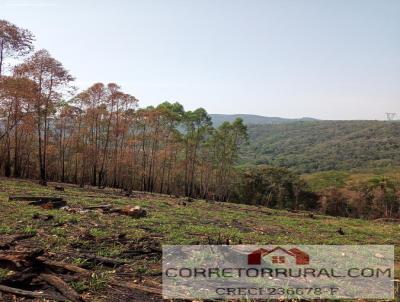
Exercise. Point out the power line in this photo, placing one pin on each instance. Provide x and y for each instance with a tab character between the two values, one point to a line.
390	116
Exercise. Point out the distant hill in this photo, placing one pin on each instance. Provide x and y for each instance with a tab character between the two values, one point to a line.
248	119
310	146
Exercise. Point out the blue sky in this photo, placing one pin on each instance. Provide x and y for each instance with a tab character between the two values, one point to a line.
337	59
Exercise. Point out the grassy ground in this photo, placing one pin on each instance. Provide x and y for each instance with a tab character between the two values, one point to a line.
169	221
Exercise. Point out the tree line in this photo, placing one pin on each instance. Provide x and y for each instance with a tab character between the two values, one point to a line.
99	136
372	198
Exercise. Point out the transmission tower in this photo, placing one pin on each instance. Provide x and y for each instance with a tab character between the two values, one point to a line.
390	116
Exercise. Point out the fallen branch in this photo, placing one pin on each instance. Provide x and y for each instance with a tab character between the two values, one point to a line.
64	266
43	201
27	293
24	277
14	239
102	206
104	260
10	261
19	259
49	204
138	253
62	287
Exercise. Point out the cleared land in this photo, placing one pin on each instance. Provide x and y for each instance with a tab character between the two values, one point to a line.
131	265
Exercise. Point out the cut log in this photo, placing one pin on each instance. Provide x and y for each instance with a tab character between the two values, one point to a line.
30	294
134	212
62	287
55	265
49	204
101	207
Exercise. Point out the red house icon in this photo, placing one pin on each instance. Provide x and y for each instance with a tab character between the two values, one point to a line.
301	257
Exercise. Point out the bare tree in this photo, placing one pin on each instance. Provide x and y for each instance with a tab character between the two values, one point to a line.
51	78
14	42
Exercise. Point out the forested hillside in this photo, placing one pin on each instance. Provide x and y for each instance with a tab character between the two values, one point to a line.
248	119
324	145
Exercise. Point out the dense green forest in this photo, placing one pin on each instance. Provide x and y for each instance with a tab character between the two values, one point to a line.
311	146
